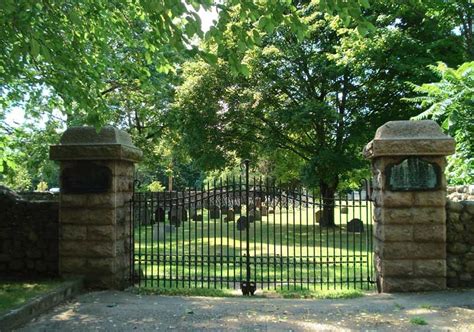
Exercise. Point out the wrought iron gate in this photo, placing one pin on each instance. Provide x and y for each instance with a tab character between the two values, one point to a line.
247	233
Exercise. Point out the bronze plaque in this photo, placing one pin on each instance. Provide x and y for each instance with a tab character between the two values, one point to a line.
413	174
86	177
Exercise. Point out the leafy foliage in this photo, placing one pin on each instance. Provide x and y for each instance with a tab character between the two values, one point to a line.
450	101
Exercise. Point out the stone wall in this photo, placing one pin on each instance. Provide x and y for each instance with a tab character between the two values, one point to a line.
460	236
28	236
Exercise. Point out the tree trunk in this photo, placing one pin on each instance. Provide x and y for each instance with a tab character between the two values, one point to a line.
328	195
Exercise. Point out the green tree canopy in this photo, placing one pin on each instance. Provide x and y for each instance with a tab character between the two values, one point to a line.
450	101
318	99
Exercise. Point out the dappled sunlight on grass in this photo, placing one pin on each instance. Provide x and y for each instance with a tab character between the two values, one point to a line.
284	248
16	293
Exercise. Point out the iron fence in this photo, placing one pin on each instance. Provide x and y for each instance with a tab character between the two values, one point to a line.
247	233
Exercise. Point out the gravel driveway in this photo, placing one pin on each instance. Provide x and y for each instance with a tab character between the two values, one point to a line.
123	311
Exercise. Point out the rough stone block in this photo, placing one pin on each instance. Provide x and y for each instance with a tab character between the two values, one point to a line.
84	216
104	266
430	198
87	249
73	232
403	250
395	268
429	233
470	266
392	285
453	217
430	268
457	248
102	232
71	265
453	206
422	215
395	199
397	233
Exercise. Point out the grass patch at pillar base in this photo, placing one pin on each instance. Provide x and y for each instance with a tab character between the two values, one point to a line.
15	293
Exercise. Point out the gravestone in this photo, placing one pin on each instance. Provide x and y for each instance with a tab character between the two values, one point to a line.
176	215
318	216
224	209
271	211
161	231
355	226
198	217
255	215
264	211
237	209
214	212
242	223
230	216
160	215
344	210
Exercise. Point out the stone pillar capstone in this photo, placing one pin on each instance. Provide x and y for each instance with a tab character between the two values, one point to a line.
96	181
409	195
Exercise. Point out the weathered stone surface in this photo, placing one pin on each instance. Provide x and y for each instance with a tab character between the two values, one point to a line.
420	215
416	284
86	216
73	232
29	234
409	138
84	143
412	250
394	233
230	216
394	268
318	215
102	200
87	249
430	268
429	233
454	206
101	232
355	226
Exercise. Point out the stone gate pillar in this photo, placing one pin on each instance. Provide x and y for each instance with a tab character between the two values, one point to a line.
96	186
409	194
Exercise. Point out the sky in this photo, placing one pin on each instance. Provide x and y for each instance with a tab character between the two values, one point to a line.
16	117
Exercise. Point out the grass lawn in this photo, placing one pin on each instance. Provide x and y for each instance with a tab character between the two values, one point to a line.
16	293
287	250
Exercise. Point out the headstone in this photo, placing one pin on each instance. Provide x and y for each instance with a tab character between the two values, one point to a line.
318	216
161	231
264	211
256	214
230	216
160	215
198	217
242	223
344	210
258	202
214	212
176	215
224	209
355	226
237	209
271	211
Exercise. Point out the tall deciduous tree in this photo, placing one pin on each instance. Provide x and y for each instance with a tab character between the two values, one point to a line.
319	98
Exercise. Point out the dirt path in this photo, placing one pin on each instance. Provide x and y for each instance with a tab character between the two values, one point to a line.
122	311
